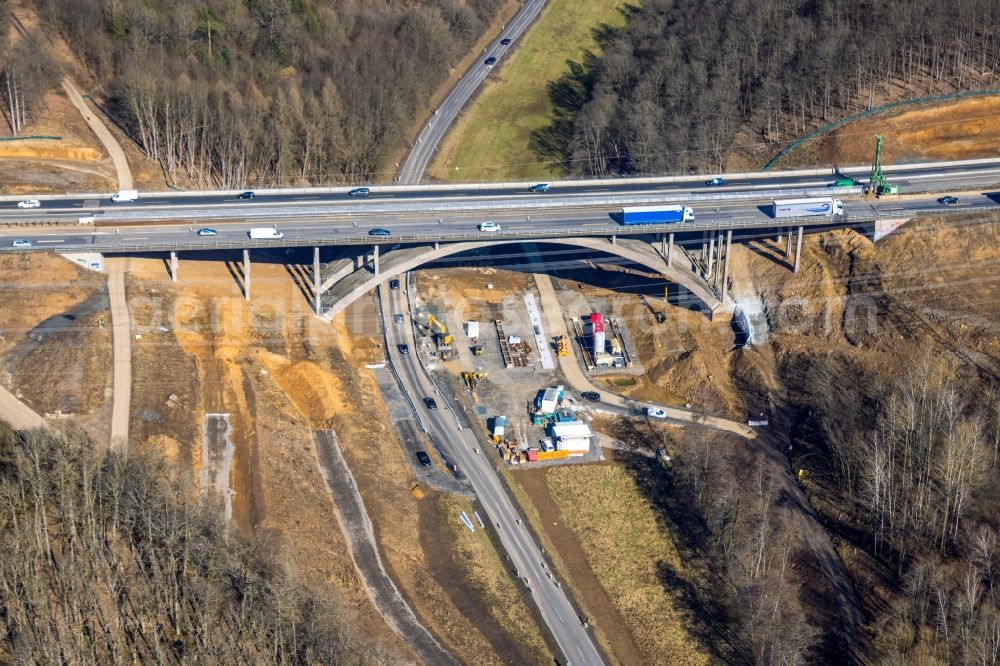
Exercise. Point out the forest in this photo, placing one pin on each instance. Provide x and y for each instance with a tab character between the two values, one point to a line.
269	92
677	83
112	559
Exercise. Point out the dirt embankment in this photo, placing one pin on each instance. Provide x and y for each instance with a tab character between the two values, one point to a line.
55	338
949	130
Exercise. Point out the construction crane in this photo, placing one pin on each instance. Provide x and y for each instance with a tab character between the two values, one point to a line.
442	339
877	184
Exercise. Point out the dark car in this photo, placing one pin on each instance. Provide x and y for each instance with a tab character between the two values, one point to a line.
394	284
379	232
715	182
398	318
207	231
431	403
592	396
245	195
489	62
424	459
505	41
540	187
403	348
948	201
359	192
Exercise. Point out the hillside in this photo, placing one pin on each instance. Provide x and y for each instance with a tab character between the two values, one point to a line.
289	91
110	560
688	85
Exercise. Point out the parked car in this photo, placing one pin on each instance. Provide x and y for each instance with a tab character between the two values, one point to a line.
359	192
592	396
948	200
207	231
505	41
21	243
29	203
540	187
398	318
718	180
379	232
424	459
394	284
655	413
246	195
431	403
489	226
403	348
489	62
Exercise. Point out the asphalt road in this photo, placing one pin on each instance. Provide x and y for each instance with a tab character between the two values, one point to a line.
170	206
459	446
414	228
444	116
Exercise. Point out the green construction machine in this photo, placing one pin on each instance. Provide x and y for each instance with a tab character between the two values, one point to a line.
877	184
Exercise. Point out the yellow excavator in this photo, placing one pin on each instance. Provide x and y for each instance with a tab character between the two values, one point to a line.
562	345
442	339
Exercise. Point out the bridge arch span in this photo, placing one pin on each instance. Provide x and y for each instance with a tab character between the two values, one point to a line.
396	262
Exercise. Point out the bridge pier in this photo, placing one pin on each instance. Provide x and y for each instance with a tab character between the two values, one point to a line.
375	258
316	280
173	266
711	256
246	274
725	269
788	242
614	239
670	248
798	250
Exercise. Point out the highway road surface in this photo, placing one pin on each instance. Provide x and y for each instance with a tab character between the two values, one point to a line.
444	116
304	230
460	445
382	201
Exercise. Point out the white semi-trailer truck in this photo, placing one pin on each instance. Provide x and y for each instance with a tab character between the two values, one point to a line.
807	207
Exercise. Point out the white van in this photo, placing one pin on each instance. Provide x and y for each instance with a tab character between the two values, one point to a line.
125	196
265	233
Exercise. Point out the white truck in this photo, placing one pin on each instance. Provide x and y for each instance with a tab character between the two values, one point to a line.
125	196
807	207
265	233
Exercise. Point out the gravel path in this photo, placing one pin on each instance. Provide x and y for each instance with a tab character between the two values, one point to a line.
357	528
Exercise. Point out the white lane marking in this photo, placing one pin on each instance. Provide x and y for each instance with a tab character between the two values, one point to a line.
305	198
60	240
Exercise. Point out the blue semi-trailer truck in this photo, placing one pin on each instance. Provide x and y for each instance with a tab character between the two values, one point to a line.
656	214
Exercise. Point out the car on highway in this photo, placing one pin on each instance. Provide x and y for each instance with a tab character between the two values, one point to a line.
540	187
489	226
431	403
505	41
246	195
655	413
378	231
489	62
948	200
398	318
403	348
21	243
394	284
592	396
207	231
29	203
715	182
424	459
359	192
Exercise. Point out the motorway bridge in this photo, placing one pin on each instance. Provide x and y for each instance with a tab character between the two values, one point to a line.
429	223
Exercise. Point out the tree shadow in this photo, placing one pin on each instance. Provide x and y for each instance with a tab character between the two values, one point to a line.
568	95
